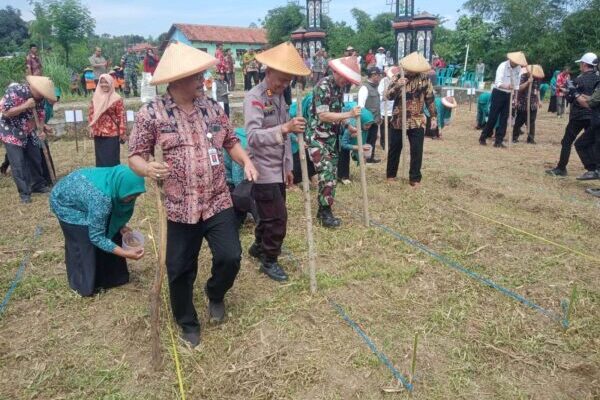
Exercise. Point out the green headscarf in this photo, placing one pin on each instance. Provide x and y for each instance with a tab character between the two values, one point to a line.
117	183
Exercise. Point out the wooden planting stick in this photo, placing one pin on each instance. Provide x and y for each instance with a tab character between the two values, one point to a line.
363	171
307	206
530	70
509	124
405	146
159	271
386	128
44	147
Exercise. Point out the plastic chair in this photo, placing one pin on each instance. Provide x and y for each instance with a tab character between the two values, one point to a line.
441	76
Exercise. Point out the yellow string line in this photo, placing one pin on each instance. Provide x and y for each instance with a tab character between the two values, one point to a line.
527	233
174	351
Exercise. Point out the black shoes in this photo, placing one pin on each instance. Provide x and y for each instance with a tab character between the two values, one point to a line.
43	189
482	141
499	145
216	309
556	172
256	251
326	218
25	199
273	270
373	161
593	191
192	337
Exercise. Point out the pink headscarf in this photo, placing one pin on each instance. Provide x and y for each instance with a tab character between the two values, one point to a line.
103	100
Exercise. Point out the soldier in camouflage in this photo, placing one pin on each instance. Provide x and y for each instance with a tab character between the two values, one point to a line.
129	62
325	123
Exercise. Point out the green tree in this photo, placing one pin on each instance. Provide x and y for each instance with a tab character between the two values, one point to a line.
13	31
40	28
280	22
70	22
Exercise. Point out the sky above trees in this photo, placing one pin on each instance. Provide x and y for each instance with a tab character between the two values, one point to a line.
118	17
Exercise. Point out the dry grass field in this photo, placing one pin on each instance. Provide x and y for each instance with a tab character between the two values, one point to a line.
279	342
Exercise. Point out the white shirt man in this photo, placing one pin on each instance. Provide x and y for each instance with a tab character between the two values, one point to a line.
507	77
380	58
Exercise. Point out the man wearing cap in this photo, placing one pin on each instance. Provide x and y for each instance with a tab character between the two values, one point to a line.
192	130
506	82
530	76
324	125
419	94
268	127
579	120
21	135
368	97
593	103
380	58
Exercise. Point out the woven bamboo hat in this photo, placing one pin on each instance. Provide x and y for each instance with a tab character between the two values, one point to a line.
538	72
518	58
347	67
42	85
284	58
415	62
180	61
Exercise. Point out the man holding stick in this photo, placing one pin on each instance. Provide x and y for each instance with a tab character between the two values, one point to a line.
419	93
529	98
192	130
324	125
268	127
506	82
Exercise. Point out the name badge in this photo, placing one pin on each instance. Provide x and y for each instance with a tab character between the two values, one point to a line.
213	156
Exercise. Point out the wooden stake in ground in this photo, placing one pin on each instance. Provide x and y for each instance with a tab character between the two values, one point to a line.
530	70
509	124
363	171
159	271
386	128
44	147
404	153
307	205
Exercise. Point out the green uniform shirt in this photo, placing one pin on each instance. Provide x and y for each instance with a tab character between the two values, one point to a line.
327	97
594	101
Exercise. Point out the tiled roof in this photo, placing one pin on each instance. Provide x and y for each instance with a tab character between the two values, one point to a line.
223	34
142	47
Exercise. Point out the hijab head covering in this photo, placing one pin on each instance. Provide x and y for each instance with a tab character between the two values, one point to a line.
117	183
102	100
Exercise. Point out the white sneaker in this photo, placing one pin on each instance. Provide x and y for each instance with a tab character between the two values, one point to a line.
346	181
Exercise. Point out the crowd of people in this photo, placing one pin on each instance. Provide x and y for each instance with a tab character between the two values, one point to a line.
214	175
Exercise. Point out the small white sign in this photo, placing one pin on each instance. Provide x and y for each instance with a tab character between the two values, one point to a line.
78	116
471	91
450	92
130	116
69	116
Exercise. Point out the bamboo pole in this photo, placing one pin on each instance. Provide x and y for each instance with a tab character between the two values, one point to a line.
386	128
307	205
44	147
530	70
509	124
404	153
159	271
363	172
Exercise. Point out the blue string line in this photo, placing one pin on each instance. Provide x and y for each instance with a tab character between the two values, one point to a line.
456	266
372	346
19	274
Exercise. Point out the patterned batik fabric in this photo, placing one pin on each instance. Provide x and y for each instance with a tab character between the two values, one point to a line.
324	155
111	123
522	96
195	190
327	97
20	128
419	93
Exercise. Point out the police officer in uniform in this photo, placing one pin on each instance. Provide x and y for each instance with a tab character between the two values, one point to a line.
268	127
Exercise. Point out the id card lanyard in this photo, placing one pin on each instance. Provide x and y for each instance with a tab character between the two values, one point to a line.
213	155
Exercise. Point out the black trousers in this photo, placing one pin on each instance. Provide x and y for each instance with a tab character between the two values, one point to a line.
586	148
183	246
226	109
272	218
298	169
90	269
107	151
231	80
343	167
416	138
499	108
251	76
574	127
520	120
372	138
26	165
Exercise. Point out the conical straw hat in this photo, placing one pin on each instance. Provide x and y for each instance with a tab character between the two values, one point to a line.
415	62
43	85
284	58
538	72
180	61
518	58
347	67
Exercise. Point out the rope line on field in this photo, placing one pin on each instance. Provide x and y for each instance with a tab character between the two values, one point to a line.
19	275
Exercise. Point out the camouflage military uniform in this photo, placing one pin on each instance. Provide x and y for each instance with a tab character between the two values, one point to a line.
130	63
322	137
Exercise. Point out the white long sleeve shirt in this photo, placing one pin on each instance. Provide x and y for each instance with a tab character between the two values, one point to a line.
507	76
380	61
363	93
387	106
